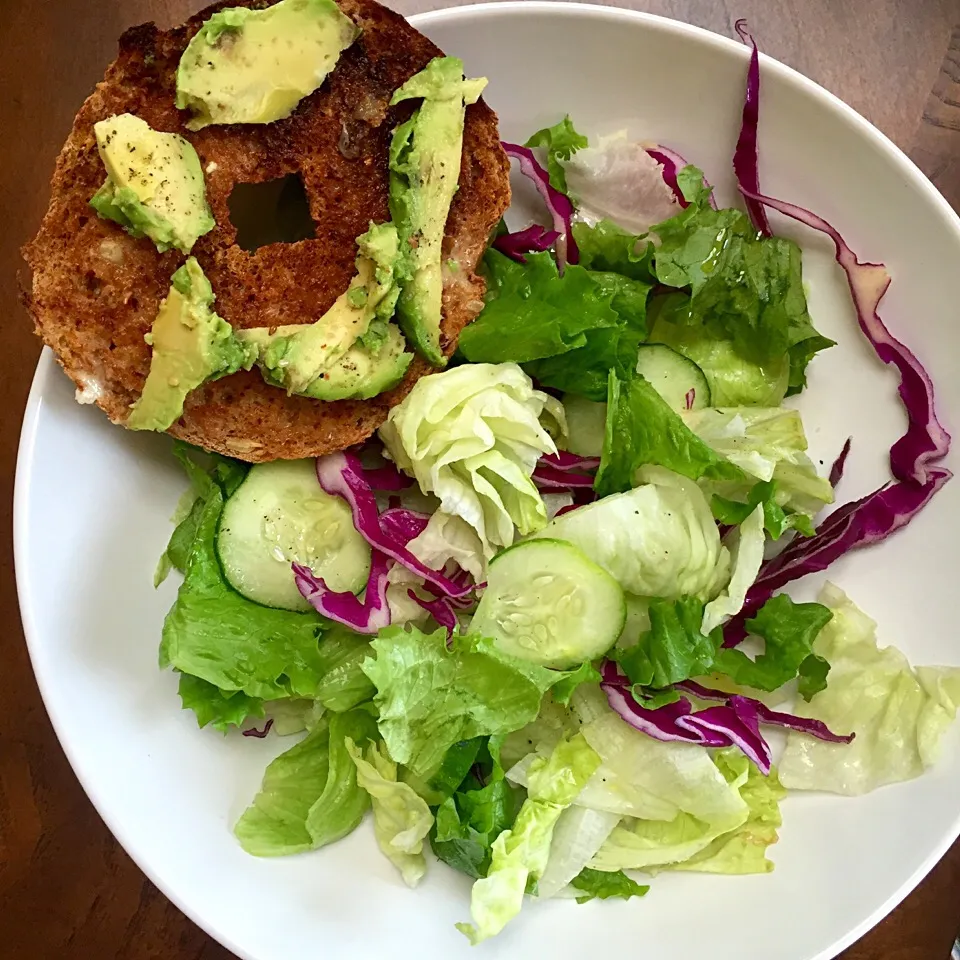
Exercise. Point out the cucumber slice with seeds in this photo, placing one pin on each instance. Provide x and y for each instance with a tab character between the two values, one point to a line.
548	603
678	380
280	515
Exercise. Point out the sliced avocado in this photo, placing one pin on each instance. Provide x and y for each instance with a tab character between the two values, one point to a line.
191	344
255	66
154	186
424	170
362	373
295	356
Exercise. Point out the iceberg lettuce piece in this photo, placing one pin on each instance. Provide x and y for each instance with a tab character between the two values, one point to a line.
657	540
743	850
401	818
767	443
473	435
745	544
899	714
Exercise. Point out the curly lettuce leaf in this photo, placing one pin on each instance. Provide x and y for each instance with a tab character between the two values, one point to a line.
641	429
768	444
468	822
342	804
567	685
561	142
744	850
744	288
431	697
456	766
673	649
899	713
275	824
597	885
532	311
567	331
401	819
648	844
221	708
217	472
789	630
776	520
520	854
585	370
608	248
343	685
733	380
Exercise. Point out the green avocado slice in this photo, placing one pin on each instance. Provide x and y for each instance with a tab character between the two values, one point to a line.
191	344
154	186
362	373
296	356
255	66
424	171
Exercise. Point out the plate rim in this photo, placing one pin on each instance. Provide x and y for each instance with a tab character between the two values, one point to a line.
46	367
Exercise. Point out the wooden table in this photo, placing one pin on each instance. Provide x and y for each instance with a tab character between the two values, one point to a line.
67	890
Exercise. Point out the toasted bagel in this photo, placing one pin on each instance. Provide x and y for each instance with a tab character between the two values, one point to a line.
95	290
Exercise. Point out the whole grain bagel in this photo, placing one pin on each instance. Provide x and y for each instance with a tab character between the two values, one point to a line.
95	290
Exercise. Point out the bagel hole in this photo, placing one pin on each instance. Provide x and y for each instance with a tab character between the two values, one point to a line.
276	211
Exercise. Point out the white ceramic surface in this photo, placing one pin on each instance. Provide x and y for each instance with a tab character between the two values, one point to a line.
93	502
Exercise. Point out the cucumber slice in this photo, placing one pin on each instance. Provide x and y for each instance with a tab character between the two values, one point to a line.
278	515
673	376
586	423
546	602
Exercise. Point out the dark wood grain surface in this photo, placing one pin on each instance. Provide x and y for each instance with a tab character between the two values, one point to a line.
67	890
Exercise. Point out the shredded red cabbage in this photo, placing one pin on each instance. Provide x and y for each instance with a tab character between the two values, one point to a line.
877	515
387	478
925	441
403	524
816	728
341	475
858	524
550	478
745	162
733	724
690	398
565	471
535	239
836	470
259	734
366	616
441	609
736	722
563	460
559	205
912	458
672	163
458	603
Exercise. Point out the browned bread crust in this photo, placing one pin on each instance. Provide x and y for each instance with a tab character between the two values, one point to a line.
95	290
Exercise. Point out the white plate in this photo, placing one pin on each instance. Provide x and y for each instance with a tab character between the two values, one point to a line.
92	508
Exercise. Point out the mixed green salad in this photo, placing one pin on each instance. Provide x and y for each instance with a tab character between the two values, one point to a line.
513	625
